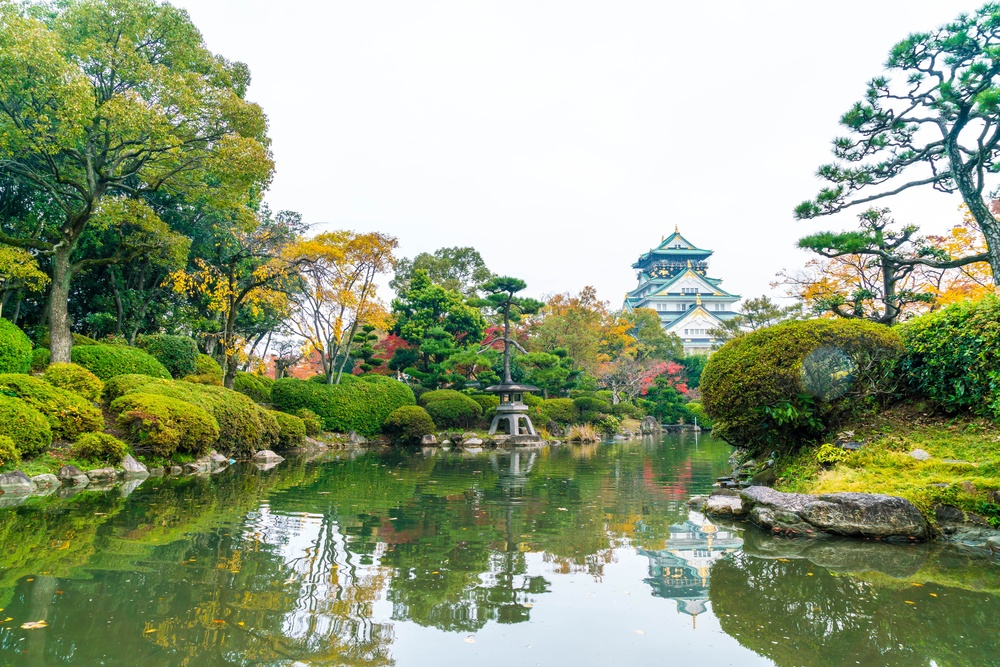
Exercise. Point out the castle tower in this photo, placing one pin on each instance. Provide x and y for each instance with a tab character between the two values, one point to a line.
673	281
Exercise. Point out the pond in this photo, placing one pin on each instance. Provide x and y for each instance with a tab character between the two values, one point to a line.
562	555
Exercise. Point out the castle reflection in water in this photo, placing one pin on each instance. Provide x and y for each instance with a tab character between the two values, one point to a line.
681	570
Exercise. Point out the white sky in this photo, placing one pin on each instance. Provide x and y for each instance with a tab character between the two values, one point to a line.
585	129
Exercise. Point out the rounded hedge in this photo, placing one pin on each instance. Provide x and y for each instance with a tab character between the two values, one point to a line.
40	359
360	404
9	456
108	361
100	447
780	387
244	426
68	414
952	356
75	378
291	430
120	385
178	354
161	425
441	395
312	421
559	410
459	412
207	371
26	426
15	348
486	401
78	339
408	425
257	387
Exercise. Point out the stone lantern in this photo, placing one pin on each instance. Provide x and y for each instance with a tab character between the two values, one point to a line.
513	412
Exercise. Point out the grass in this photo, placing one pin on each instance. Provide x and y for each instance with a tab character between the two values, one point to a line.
885	466
51	461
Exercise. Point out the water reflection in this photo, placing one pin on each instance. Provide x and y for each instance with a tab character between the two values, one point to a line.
548	555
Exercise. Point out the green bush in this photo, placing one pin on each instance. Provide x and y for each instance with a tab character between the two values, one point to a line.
486	401
78	340
408	424
9	456
441	395
207	371
591	404
781	387
697	410
178	354
952	356
626	410
26	426
244	426
120	385
15	349
107	361
558	410
609	425
257	387
360	404
161	425
312	421
69	414
455	412
76	379
291	430
39	359
100	447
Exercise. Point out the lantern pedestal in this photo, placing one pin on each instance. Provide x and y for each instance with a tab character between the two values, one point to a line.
512	413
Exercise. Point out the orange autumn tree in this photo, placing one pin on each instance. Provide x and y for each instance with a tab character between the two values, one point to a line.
338	273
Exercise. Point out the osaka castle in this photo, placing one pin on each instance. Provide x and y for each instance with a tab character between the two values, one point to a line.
673	281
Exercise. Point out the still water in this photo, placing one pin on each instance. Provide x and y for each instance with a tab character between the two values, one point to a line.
556	556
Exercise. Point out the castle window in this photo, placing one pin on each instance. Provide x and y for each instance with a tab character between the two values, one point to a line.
690	290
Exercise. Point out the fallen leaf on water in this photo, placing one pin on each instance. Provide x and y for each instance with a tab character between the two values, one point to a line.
784	560
217	620
913	584
470	640
148	630
562	509
241	624
933	595
527	605
30	579
435	572
909	602
8	619
809	574
34	625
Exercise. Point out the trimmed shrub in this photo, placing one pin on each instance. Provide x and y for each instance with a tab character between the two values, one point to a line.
177	353
360	404
207	371
486	401
69	414
441	395
162	425
120	385
408	424
952	356
244	426
76	379
107	361
26	426
40	359
312	421
558	410
625	410
9	456
78	339
291	430
697	410
609	425
461	412
15	348
100	447
591	404
257	387
781	387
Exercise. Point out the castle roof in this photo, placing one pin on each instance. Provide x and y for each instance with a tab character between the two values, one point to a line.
675	247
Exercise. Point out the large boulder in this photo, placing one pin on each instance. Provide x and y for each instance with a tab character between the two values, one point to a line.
16	483
862	515
133	469
649	426
72	476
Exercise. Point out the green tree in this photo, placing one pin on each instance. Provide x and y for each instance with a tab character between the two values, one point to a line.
459	269
500	299
932	120
106	98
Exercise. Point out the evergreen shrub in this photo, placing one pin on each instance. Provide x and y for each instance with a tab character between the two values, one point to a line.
39	359
9	456
257	387
559	410
787	385
697	410
15	348
441	395
178	354
26	426
952	357
592	404
107	361
487	402
460	412
120	385
207	371
312	421
68	414
360	404
161	425
408	424
44	340
100	447
75	378
291	430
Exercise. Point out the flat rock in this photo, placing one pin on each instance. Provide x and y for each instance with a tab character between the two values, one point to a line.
920	455
472	442
72	476
429	439
16	483
850	445
46	481
724	505
102	474
133	469
862	515
267	456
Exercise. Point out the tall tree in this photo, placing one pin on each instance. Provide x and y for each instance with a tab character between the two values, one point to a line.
575	323
459	269
932	120
105	98
500	296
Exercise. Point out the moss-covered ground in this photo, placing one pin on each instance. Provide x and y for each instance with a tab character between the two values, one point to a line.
963	471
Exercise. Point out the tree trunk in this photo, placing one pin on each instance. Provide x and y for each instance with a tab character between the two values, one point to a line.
61	340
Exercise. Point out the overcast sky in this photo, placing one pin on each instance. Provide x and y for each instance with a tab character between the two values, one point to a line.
563	139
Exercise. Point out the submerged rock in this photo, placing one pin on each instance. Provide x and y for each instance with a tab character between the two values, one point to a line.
16	483
962	528
133	469
850	514
72	476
